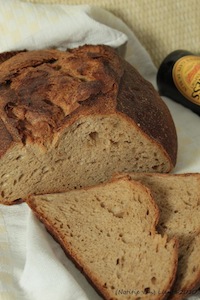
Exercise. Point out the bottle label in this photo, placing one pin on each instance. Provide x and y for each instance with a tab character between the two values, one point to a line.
186	76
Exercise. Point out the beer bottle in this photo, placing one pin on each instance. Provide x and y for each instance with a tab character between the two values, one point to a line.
178	78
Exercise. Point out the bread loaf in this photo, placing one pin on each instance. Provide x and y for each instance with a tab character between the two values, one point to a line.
71	119
109	232
178	199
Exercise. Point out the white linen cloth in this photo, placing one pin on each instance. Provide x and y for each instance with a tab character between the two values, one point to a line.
32	264
35	26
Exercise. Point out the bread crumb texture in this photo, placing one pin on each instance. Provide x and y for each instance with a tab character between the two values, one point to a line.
178	199
109	231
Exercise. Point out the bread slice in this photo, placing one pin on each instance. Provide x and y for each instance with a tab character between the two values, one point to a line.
178	198
109	232
71	119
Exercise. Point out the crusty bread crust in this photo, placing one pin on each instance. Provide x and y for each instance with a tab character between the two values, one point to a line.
147	111
40	90
89	79
6	55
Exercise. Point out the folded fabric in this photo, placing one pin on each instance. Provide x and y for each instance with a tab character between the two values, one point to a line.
30	26
32	264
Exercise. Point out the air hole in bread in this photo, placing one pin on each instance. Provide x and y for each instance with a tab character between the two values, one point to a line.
93	135
45	170
153	280
114	143
60	160
187	203
147	290
194	269
19	157
155	167
118	275
117	212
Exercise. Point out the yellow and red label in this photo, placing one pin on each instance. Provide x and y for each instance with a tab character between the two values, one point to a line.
186	76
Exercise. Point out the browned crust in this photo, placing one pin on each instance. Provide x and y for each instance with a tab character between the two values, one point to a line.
15	202
90	79
6	138
6	55
188	290
189	174
138	99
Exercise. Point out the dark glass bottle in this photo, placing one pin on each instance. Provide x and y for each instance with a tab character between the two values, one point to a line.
178	78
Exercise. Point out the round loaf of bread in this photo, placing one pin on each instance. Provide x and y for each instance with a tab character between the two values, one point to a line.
72	119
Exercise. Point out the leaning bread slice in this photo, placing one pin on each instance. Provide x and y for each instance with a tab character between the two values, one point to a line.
178	198
109	232
71	119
